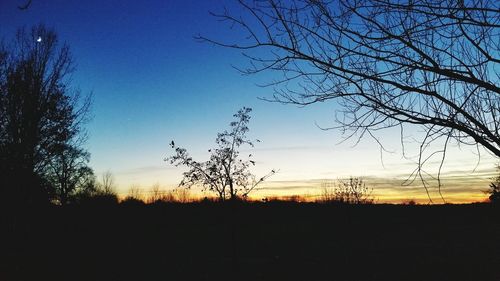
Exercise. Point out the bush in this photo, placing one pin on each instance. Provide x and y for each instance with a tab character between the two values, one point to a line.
347	191
409	202
132	201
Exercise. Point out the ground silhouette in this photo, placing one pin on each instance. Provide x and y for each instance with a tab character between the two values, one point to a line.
251	241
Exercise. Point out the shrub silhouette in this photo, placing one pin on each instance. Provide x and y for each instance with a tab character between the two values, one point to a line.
132	201
346	191
410	202
178	195
98	199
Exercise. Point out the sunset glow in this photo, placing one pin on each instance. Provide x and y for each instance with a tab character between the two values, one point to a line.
250	140
153	83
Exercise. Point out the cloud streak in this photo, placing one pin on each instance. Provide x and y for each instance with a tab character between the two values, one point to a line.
146	169
457	187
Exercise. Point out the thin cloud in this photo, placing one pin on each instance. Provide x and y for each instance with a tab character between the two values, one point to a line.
456	186
287	148
145	169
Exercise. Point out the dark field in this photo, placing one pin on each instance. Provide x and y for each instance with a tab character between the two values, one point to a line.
278	241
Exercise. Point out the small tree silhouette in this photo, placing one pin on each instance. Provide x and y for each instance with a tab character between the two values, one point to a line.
225	173
98	192
134	194
155	194
107	184
68	173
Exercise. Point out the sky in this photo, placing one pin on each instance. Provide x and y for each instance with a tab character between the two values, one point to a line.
152	82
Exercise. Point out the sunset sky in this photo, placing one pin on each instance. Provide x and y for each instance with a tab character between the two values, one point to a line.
153	83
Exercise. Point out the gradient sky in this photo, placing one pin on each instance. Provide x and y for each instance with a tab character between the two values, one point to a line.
152	83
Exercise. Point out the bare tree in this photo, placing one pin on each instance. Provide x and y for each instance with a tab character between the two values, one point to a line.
69	173
156	194
225	173
387	63
134	193
181	195
39	113
107	184
95	191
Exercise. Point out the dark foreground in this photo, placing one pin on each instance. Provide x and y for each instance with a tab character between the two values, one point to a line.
252	242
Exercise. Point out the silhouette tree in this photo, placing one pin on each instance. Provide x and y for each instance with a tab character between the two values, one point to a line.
156	194
69	173
225	173
100	192
353	191
39	114
107	184
386	63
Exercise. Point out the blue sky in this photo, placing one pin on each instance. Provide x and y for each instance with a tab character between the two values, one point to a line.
152	82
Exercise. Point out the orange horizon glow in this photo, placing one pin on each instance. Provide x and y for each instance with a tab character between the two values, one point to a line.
304	172
308	194
301	198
